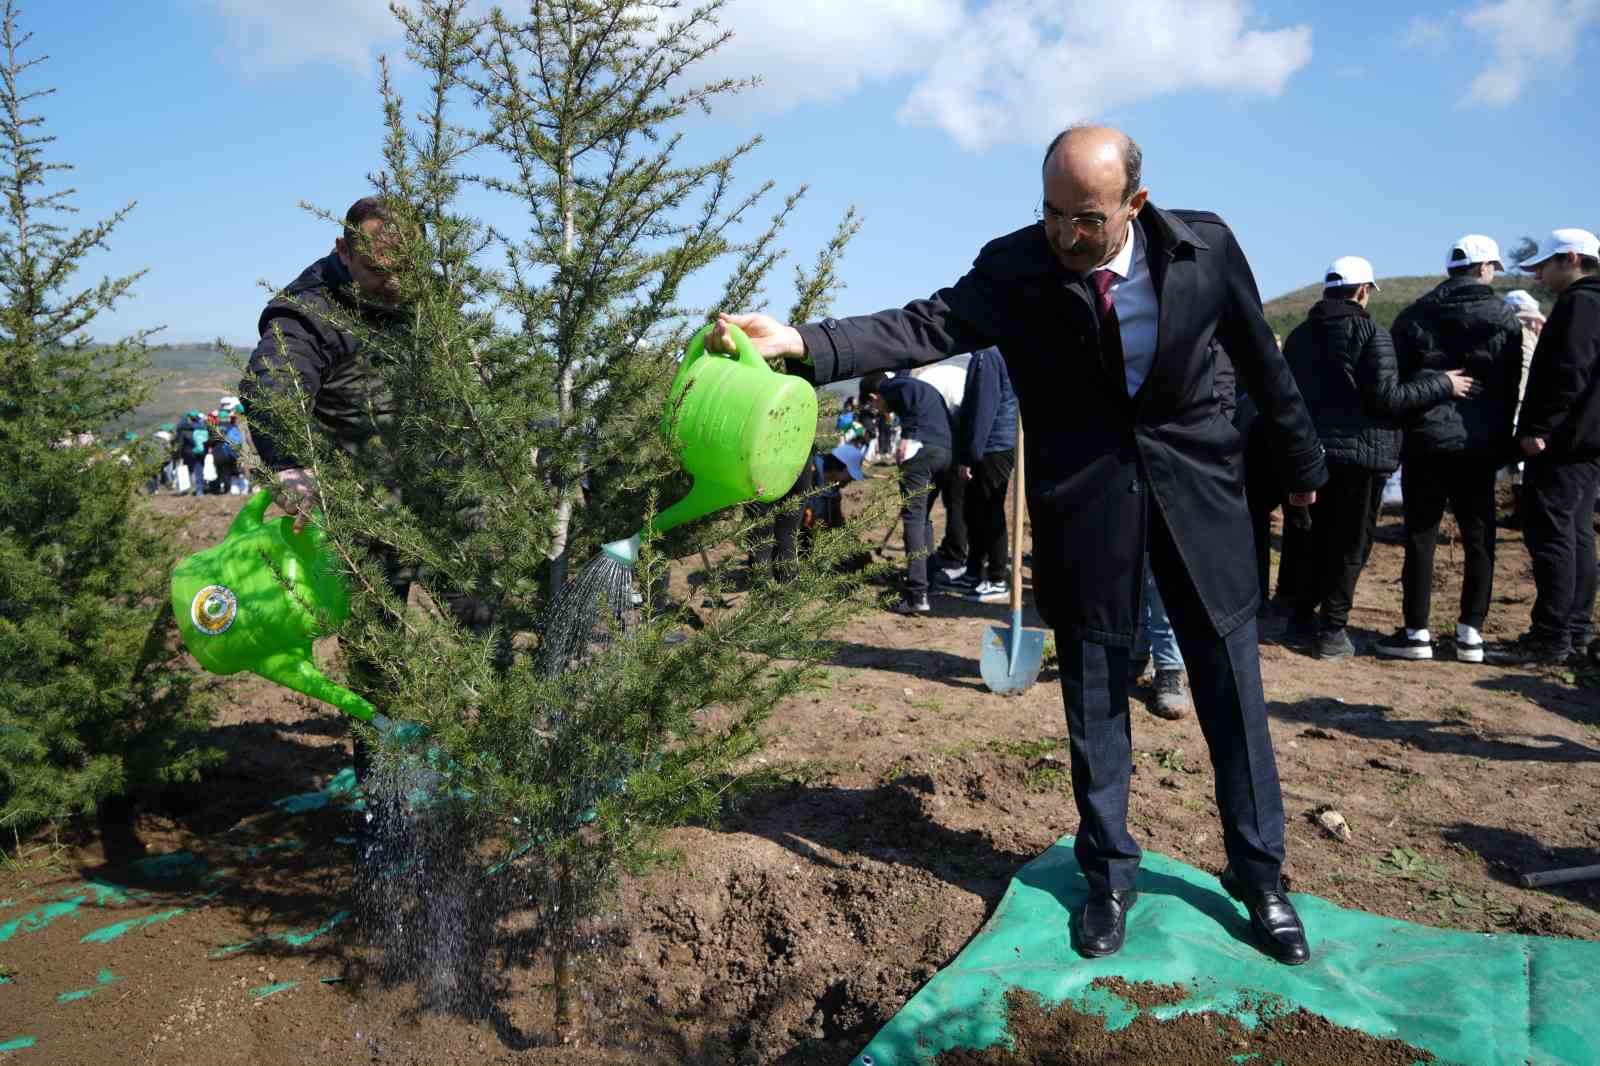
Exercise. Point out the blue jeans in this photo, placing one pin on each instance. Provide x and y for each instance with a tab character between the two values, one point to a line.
197	476
1155	637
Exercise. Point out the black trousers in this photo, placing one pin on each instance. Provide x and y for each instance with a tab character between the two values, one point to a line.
1225	679
954	547
988	555
1559	530
922	477
1344	521
1466	484
781	549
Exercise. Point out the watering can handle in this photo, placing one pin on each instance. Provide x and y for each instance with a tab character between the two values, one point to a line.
746	352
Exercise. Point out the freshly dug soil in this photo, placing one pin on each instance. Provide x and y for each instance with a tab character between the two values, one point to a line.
1143	994
1068	1037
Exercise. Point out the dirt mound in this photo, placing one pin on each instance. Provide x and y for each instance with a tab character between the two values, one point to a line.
1068	1037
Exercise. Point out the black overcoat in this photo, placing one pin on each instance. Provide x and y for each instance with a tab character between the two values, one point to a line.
1097	458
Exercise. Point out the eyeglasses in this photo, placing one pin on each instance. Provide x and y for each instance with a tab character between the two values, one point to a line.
1086	225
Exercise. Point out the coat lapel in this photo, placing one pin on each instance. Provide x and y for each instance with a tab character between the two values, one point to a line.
1168	241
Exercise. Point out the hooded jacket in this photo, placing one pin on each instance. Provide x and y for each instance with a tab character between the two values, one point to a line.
305	334
1465	325
1344	363
1562	404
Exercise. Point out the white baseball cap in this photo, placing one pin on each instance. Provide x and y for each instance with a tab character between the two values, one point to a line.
1565	240
851	458
1522	300
1471	250
1349	270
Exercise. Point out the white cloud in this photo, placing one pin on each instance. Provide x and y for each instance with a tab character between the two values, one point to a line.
277	34
1011	70
1426	33
1022	69
1528	39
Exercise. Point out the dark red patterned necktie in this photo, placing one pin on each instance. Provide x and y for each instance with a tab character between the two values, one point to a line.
1110	329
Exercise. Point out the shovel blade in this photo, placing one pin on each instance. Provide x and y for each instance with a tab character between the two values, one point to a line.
1004	671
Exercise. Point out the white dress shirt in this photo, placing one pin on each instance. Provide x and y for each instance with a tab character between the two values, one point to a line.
1133	295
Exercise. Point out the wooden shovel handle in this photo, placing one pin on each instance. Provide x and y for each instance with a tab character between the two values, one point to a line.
1016	525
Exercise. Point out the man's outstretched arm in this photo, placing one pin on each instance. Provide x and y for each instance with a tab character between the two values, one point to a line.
951	322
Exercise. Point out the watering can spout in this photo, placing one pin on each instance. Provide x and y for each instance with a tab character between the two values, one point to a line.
625	551
294	669
705	497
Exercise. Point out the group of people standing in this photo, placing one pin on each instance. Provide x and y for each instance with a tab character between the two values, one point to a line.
1467	384
209	449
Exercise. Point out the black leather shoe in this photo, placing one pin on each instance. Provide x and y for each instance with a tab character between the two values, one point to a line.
1273	920
1100	926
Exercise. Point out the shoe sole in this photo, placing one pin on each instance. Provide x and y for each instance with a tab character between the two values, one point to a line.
1414	654
992	597
1469	655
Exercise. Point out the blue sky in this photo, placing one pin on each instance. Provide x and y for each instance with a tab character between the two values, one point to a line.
1315	130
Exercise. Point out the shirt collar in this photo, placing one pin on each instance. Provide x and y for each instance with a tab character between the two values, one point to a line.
1122	264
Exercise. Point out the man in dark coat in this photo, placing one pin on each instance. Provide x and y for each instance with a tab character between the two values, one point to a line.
1105	312
1344	363
1453	451
1559	432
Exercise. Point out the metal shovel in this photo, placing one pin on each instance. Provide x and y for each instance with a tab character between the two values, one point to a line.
1012	656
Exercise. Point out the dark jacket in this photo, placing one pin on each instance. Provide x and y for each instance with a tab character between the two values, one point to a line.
312	316
923	415
1561	404
1462	324
988	421
1097	457
1344	363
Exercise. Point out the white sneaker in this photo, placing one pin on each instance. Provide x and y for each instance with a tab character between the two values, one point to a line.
991	592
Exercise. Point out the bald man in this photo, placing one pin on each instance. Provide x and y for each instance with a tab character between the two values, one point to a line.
1105	310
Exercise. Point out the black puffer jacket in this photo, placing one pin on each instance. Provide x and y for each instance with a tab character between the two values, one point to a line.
1563	401
311	318
1462	324
1344	363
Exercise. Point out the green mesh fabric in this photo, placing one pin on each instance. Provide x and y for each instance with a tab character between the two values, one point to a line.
1467	997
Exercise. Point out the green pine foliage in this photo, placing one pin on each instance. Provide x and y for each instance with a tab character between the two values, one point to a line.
529	369
93	702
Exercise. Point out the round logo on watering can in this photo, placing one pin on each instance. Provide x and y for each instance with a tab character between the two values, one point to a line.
213	610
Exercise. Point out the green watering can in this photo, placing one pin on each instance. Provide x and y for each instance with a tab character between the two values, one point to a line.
259	599
743	431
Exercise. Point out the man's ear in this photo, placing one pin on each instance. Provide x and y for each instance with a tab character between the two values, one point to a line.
1136	204
341	248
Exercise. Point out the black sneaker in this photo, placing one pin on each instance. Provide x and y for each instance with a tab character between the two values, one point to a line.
1469	651
911	605
960	584
1335	644
1529	650
1399	646
1172	697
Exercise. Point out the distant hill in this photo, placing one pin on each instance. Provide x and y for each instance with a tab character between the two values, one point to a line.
1394	295
189	377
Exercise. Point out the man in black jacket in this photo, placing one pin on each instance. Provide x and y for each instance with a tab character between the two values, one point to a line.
1105	311
1559	432
308	341
1453	451
925	443
1344	364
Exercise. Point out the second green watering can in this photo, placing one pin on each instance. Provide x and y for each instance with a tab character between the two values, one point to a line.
259	600
742	431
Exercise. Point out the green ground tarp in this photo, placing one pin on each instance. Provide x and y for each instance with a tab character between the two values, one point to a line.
1470	998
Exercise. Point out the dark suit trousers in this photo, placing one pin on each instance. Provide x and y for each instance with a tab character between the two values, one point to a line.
1225	679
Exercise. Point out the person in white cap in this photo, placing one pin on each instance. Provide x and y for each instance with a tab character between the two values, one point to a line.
1559	433
1531	317
1344	363
1452	452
